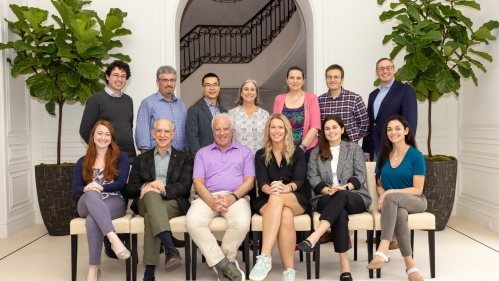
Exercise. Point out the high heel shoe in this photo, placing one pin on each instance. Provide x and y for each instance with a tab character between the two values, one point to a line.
412	270
378	264
123	255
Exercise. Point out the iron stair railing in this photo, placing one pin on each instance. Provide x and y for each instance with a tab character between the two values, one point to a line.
234	43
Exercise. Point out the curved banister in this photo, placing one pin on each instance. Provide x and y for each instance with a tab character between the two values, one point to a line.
233	43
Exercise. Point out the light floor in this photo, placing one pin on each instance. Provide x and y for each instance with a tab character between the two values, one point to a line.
464	251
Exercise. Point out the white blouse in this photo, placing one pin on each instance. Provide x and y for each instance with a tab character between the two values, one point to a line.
335	151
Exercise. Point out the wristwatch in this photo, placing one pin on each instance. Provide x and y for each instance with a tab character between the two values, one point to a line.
290	188
347	187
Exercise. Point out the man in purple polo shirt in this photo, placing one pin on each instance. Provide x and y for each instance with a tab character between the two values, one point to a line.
224	173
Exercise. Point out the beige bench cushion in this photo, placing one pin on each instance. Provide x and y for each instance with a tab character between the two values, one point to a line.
137	224
416	221
121	225
362	221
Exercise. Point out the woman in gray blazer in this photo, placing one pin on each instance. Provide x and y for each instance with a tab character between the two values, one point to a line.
337	173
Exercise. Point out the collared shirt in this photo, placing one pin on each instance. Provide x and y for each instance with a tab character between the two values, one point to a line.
213	108
352	110
161	164
249	131
224	170
379	98
111	93
156	107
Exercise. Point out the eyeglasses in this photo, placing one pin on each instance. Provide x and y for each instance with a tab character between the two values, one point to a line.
214	85
387	68
168	80
117	76
329	78
159	131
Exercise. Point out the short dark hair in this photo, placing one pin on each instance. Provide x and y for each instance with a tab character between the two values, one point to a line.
207	75
336	66
295	68
382	59
121	65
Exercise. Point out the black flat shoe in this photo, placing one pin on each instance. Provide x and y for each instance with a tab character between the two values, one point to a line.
306	246
346	276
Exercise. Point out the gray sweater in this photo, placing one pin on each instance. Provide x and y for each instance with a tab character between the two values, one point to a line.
118	111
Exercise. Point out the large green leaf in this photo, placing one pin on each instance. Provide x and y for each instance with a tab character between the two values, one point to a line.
122	31
407	72
450	47
406	21
50	107
20	45
420	60
95	52
36	79
35	17
88	70
45	90
395	51
464	64
73	79
432	36
459	34
471	4
465	72
113	22
121	57
390	14
85	94
431	72
483	33
23	67
473	77
481	54
401	40
476	63
445	81
491	25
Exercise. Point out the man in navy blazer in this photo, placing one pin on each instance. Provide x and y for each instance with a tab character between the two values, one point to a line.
390	98
199	116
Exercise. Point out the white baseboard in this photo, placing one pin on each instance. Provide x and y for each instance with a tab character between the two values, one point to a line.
482	220
17	224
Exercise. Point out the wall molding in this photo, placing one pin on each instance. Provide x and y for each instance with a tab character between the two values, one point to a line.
18	153
17	223
21	202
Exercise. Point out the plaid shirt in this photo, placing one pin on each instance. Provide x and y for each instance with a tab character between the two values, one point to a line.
352	110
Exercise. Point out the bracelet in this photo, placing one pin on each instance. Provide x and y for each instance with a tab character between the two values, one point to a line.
290	188
303	146
235	196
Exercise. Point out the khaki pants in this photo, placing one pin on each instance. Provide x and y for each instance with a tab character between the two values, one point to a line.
238	223
157	214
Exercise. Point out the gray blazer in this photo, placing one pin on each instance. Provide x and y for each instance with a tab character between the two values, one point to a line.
198	126
351	168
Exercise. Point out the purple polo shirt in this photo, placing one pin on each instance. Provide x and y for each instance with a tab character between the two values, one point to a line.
224	171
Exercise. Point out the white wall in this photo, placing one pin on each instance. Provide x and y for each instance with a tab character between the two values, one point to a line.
478	135
346	32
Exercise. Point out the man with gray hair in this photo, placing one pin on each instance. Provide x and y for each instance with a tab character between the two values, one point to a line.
162	104
224	172
159	184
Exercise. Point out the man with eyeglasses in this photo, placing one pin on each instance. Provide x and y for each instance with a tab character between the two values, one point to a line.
348	105
162	104
199	116
160	183
390	98
112	105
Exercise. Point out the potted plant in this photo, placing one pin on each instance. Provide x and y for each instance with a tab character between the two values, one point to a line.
440	45
65	63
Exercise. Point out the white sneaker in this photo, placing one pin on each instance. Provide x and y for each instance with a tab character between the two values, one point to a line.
288	275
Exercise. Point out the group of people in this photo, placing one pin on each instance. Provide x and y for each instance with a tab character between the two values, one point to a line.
244	161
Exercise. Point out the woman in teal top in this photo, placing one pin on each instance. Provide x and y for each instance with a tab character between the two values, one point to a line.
400	172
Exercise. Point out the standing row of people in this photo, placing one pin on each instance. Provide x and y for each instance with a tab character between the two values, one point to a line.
223	170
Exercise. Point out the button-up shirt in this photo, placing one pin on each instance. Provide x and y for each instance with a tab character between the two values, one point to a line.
161	164
213	108
379	98
111	93
352	110
156	107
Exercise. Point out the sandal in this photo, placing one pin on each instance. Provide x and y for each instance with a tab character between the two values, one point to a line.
378	264
412	270
346	276
306	246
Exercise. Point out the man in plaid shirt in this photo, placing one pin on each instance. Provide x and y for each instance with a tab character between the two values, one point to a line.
348	105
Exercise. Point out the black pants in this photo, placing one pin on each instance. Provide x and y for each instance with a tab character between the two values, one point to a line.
335	209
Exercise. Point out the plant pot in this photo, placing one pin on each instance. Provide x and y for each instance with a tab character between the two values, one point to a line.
440	189
55	197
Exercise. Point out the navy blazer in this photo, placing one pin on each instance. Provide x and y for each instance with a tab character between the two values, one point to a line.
400	100
198	126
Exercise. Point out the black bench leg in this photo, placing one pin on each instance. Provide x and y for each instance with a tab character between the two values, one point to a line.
74	256
128	261
370	250
187	239
135	257
431	244
355	245
317	254
378	239
194	259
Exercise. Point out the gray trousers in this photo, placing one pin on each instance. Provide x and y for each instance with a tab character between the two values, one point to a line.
394	218
99	213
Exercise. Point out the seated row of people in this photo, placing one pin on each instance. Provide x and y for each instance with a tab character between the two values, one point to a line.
224	172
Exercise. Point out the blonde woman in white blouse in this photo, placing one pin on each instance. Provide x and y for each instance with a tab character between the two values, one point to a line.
248	118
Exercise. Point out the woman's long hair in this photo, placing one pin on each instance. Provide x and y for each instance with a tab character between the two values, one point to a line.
386	146
113	153
324	151
288	148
